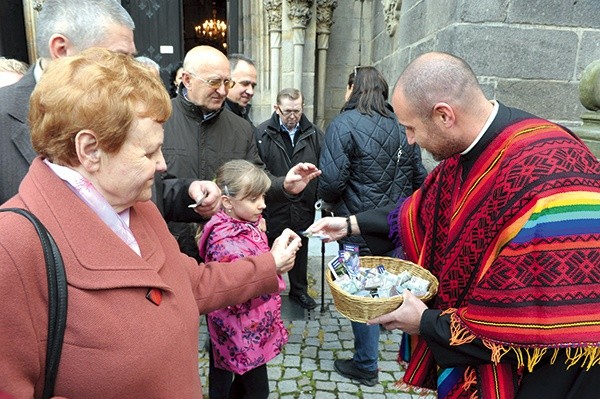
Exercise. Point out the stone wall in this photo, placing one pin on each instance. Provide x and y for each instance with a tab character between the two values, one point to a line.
527	53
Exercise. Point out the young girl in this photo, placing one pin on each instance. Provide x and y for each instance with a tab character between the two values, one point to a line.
246	336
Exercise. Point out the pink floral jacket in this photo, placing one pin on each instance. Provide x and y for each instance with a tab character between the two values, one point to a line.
249	334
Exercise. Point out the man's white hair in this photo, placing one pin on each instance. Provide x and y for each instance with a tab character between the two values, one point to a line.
83	22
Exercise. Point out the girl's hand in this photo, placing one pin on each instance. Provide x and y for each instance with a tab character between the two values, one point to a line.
284	250
262	225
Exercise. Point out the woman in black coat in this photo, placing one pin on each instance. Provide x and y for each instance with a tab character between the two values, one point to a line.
366	163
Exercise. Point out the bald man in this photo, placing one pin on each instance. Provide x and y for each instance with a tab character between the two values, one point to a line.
509	223
202	134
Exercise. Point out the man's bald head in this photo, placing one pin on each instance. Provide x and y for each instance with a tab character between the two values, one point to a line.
438	77
206	77
203	57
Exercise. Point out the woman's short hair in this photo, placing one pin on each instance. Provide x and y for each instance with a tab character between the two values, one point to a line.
242	179
96	90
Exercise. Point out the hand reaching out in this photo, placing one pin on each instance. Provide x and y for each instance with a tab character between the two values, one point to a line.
333	228
299	176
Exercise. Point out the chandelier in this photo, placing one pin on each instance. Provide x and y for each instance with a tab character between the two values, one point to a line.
212	29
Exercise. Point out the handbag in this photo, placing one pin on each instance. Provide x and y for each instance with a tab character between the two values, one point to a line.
57	299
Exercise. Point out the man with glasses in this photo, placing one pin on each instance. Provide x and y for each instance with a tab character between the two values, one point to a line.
285	139
243	72
202	134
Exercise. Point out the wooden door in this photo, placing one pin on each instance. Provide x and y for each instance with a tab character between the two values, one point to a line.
158	32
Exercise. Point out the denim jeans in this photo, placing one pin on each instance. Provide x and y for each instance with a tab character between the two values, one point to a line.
366	346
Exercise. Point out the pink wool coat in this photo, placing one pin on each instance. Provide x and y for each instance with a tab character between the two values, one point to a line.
117	343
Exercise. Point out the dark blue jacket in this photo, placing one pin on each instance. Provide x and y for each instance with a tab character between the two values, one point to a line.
367	163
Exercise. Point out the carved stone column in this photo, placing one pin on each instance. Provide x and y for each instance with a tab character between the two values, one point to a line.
300	13
589	95
324	21
391	12
273	8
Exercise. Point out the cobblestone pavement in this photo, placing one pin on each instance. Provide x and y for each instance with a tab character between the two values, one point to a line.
316	339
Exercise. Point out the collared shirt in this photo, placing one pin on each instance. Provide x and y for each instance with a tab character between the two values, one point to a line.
38	70
118	222
184	93
484	128
291	133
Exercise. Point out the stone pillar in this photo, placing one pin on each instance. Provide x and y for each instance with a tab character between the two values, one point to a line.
273	8
589	95
324	21
300	14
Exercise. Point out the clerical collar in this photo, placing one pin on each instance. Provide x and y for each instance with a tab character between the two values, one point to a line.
484	128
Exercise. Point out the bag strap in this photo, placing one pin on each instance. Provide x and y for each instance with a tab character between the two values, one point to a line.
57	299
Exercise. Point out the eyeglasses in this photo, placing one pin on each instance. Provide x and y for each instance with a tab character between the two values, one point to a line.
289	112
215	83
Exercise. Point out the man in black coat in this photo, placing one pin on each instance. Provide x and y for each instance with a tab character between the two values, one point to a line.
284	140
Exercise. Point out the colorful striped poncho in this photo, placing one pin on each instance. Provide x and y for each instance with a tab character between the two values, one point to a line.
516	249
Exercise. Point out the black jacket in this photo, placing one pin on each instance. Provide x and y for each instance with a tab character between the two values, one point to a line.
298	214
194	148
243	112
367	163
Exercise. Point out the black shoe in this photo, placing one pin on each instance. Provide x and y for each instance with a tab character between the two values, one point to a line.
304	300
347	368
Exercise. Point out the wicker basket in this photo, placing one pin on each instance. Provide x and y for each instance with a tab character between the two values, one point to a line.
361	309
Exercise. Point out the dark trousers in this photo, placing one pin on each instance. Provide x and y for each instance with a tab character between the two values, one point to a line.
223	384
297	276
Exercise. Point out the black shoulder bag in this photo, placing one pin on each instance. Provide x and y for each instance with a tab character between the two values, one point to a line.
57	299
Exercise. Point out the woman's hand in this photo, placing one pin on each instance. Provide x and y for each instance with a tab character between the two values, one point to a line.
207	197
284	250
332	228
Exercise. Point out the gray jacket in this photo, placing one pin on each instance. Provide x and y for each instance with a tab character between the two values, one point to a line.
16	152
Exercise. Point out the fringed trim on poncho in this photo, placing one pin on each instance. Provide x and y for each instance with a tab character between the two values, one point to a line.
470	378
584	354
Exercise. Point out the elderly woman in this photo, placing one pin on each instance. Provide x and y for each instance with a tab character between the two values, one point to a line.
96	121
